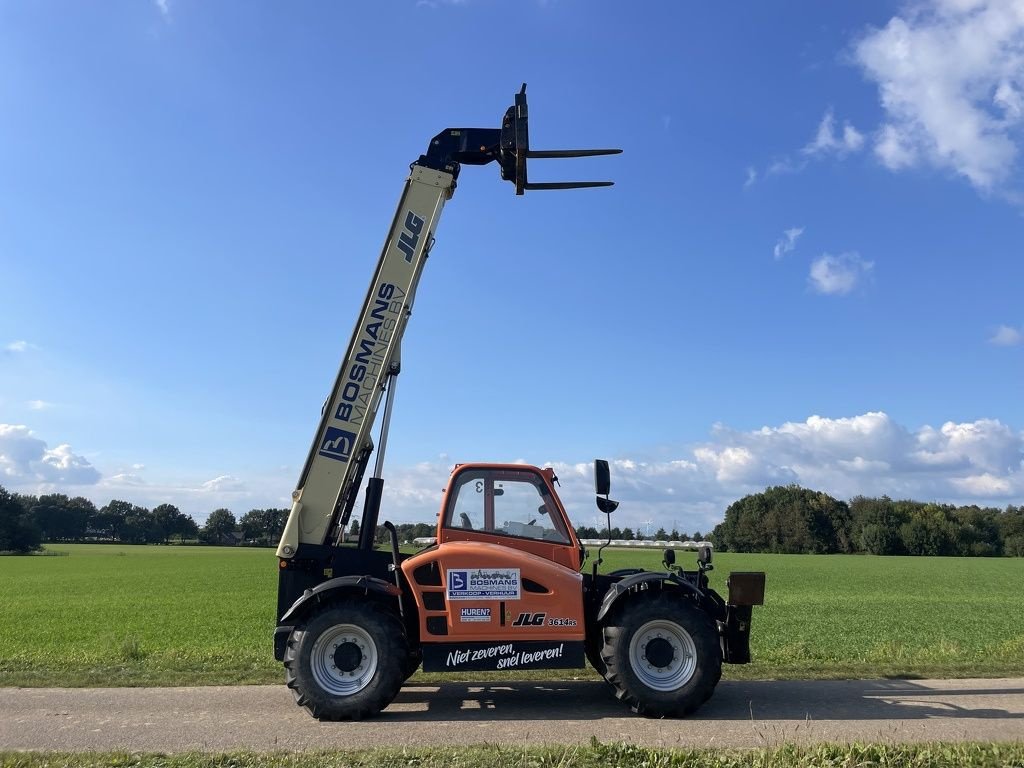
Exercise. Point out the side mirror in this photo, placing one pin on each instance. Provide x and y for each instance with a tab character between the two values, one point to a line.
602	478
704	555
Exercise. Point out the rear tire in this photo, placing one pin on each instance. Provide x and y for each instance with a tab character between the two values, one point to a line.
347	661
662	656
593	651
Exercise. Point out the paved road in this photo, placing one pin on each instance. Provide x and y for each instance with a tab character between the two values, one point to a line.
739	715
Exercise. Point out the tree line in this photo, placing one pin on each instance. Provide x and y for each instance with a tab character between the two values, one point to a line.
780	519
794	520
628	534
27	522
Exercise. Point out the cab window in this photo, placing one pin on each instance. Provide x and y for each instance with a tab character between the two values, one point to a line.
506	503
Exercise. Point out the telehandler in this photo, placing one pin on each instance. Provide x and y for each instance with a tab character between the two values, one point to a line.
503	587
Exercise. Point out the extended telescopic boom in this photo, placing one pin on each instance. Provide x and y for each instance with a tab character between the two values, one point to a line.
326	492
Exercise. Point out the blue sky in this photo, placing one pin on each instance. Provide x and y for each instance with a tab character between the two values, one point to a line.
809	269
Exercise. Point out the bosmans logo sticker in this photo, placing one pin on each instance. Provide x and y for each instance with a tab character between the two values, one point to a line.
484	584
337	444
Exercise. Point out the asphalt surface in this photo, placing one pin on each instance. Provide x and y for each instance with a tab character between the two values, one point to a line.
741	714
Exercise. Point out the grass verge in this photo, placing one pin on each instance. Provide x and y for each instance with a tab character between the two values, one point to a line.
595	755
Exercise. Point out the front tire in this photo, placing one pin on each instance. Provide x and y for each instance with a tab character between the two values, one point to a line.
348	661
662	656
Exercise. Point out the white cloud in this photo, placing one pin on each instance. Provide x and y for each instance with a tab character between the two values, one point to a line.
783	165
1008	98
787	242
126	478
838	275
738	465
867	454
894	149
827	141
26	461
164	6
1007	336
950	75
223	483
751	177
197	497
983	485
20	346
39	405
985	444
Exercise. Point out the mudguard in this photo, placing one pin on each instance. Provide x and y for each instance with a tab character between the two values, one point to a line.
619	588
326	590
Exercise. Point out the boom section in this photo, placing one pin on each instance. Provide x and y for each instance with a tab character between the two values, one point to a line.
342	442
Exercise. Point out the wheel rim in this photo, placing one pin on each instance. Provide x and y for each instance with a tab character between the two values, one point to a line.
344	659
662	655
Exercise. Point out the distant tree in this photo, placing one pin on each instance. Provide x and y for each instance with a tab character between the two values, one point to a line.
60	518
1011	530
17	531
1013	546
275	521
141	527
698	536
26	500
586	532
81	510
55	519
353	530
878	540
875	524
219	526
263	526
253	526
627	534
108	522
928	532
787	519
675	535
976	532
661	534
171	522
409	532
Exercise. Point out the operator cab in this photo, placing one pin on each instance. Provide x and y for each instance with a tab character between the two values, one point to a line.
512	505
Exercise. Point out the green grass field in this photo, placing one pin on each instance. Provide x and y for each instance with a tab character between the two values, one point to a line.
123	615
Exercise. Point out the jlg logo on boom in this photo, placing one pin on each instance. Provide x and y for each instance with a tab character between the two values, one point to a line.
411	236
529	620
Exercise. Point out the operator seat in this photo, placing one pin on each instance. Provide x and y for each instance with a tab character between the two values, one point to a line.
466	522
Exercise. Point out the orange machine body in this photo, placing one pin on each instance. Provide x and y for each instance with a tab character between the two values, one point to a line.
497	582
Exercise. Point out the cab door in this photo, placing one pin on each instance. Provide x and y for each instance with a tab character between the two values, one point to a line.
498	581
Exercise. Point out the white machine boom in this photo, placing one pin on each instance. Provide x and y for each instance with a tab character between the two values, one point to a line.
326	492
342	442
